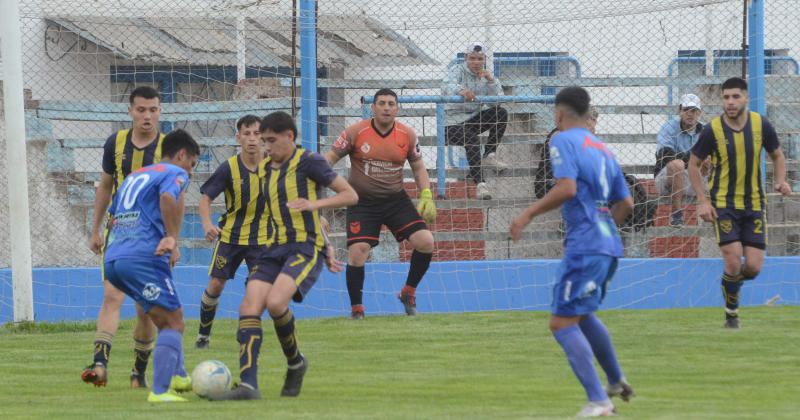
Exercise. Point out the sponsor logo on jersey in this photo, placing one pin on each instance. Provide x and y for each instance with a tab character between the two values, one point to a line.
151	291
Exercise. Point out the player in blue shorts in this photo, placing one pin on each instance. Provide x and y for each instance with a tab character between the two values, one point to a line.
147	213
293	181
595	198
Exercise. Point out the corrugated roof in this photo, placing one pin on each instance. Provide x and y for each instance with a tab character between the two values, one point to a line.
342	40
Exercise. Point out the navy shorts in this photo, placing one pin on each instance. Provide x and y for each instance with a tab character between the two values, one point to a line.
746	226
301	261
581	284
397	212
147	281
228	257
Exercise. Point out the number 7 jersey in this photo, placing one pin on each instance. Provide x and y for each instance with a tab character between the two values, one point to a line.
577	154
137	226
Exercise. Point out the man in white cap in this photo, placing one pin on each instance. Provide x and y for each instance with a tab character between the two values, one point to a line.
675	141
465	121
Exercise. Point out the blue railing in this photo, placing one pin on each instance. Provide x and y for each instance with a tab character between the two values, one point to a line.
440	102
499	62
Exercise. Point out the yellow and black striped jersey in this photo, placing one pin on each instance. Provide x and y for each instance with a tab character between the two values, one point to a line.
121	157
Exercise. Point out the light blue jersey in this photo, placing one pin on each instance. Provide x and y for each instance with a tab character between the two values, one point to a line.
137	226
577	154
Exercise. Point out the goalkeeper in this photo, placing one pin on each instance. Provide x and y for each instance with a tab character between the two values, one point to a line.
379	148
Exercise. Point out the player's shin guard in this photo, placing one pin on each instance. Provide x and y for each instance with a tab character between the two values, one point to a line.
581	359
142	350
600	340
102	347
731	285
249	337
208	310
355	284
167	355
420	262
284	329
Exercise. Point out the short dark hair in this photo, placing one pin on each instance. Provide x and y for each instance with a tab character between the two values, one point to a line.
278	122
734	83
145	92
575	98
384	92
178	140
246	121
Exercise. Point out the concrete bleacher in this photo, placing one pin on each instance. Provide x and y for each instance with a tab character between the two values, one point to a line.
466	228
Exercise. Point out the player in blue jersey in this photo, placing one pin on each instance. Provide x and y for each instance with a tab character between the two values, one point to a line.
594	198
147	213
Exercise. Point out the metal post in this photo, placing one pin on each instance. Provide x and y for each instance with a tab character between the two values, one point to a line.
755	56
308	75
16	161
440	145
241	47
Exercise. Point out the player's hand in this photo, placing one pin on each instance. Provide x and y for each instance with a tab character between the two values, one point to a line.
783	188
212	232
486	75
96	242
468	95
174	257
518	225
706	212
323	223
167	244
426	206
302	204
334	265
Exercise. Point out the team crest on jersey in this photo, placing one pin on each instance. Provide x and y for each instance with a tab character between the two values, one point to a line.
725	226
365	147
355	227
151	291
221	261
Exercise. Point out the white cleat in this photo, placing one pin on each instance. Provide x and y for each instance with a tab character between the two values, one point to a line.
482	191
597	409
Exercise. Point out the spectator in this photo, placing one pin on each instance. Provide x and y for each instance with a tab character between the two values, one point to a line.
465	121
675	141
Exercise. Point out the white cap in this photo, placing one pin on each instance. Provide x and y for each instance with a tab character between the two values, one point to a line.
475	47
690	101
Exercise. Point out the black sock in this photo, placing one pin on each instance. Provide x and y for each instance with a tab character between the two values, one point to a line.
142	350
102	347
420	262
355	284
731	285
249	337
284	329
208	309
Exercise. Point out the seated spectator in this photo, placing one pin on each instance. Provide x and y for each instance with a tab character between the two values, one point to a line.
465	121
675	141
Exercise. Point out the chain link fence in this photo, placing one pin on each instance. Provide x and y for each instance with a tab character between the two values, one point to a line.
216	61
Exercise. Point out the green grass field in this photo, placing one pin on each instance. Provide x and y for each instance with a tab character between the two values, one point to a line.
492	365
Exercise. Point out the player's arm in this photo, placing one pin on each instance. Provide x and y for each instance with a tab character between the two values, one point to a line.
773	148
426	207
219	181
700	151
621	197
211	230
341	147
101	199
345	196
171	214
332	157
564	190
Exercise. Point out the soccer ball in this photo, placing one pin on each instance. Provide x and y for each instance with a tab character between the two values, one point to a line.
211	379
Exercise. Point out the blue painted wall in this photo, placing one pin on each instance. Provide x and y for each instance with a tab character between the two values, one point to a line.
76	293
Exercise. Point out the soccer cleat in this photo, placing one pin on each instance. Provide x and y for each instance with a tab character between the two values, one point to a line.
732	323
181	383
294	380
239	393
482	191
409	302
203	342
597	409
621	389
357	312
138	380
166	397
95	374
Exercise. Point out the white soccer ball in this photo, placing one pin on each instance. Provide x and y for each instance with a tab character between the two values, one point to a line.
211	379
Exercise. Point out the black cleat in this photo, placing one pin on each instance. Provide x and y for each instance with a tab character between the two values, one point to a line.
239	393
138	380
732	323
203	342
294	380
622	390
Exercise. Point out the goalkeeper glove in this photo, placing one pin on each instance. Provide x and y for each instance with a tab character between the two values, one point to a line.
426	206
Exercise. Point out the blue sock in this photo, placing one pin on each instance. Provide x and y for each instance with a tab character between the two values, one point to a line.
580	357
598	337
166	355
180	370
